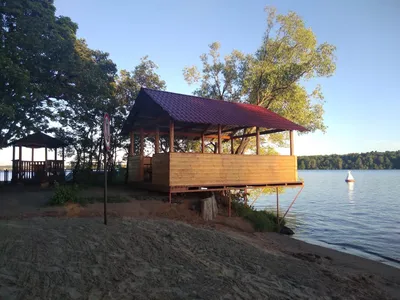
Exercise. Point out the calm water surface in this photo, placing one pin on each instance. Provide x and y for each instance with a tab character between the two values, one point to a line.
361	218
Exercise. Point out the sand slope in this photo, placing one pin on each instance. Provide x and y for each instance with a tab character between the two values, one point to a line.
77	258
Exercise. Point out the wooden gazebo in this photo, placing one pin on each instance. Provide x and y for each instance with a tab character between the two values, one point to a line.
47	170
164	114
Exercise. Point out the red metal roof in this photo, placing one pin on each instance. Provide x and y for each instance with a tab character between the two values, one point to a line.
192	109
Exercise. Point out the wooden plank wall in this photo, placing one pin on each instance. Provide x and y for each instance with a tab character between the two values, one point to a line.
134	168
160	169
193	169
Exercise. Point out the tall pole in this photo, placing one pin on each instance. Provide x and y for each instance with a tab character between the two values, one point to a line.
105	183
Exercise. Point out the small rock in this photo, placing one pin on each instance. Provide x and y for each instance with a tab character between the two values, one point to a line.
286	230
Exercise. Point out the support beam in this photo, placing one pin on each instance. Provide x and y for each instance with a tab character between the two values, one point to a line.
55	154
203	146
132	144
258	140
13	152
185	134
63	153
291	142
33	154
261	133
171	136
141	142
219	140
232	147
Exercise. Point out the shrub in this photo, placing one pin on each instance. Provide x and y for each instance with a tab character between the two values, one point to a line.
261	220
63	194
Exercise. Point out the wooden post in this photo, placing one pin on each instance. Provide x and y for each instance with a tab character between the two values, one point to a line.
258	140
141	170
132	144
63	162
291	142
55	154
13	172
141	142
171	136
157	141
230	206
232	147
203	146
219	140
20	163
33	154
277	209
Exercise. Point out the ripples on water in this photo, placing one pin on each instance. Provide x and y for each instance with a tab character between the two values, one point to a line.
361	218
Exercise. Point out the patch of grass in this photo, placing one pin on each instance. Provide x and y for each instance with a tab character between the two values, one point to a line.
63	194
261	220
69	194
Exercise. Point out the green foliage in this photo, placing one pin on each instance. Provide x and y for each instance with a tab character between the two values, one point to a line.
63	194
35	55
70	194
262	220
363	161
273	76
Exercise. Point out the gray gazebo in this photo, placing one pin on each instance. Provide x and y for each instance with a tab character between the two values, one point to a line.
38	171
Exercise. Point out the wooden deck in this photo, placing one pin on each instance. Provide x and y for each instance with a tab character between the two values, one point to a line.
196	171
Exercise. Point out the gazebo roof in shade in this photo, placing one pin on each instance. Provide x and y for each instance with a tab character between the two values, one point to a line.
39	140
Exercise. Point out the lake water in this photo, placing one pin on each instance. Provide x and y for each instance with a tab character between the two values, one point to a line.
361	218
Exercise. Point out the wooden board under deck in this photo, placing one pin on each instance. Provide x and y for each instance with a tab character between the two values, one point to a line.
195	169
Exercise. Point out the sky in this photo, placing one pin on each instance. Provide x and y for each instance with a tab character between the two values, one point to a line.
362	109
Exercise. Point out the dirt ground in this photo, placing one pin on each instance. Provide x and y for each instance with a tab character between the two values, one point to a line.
147	252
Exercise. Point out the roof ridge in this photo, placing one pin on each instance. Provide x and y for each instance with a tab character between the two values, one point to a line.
194	96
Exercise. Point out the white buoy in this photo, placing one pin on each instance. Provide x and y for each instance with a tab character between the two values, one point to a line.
349	177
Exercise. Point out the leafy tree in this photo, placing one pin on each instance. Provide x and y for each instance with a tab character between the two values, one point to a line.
92	94
128	85
35	54
371	160
273	76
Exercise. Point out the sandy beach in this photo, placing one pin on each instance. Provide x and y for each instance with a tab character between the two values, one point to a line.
142	258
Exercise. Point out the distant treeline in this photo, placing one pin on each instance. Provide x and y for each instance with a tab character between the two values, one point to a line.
364	161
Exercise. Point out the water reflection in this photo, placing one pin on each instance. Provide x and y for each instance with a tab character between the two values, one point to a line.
350	191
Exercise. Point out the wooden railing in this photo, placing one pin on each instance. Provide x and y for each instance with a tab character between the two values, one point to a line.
195	169
38	170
